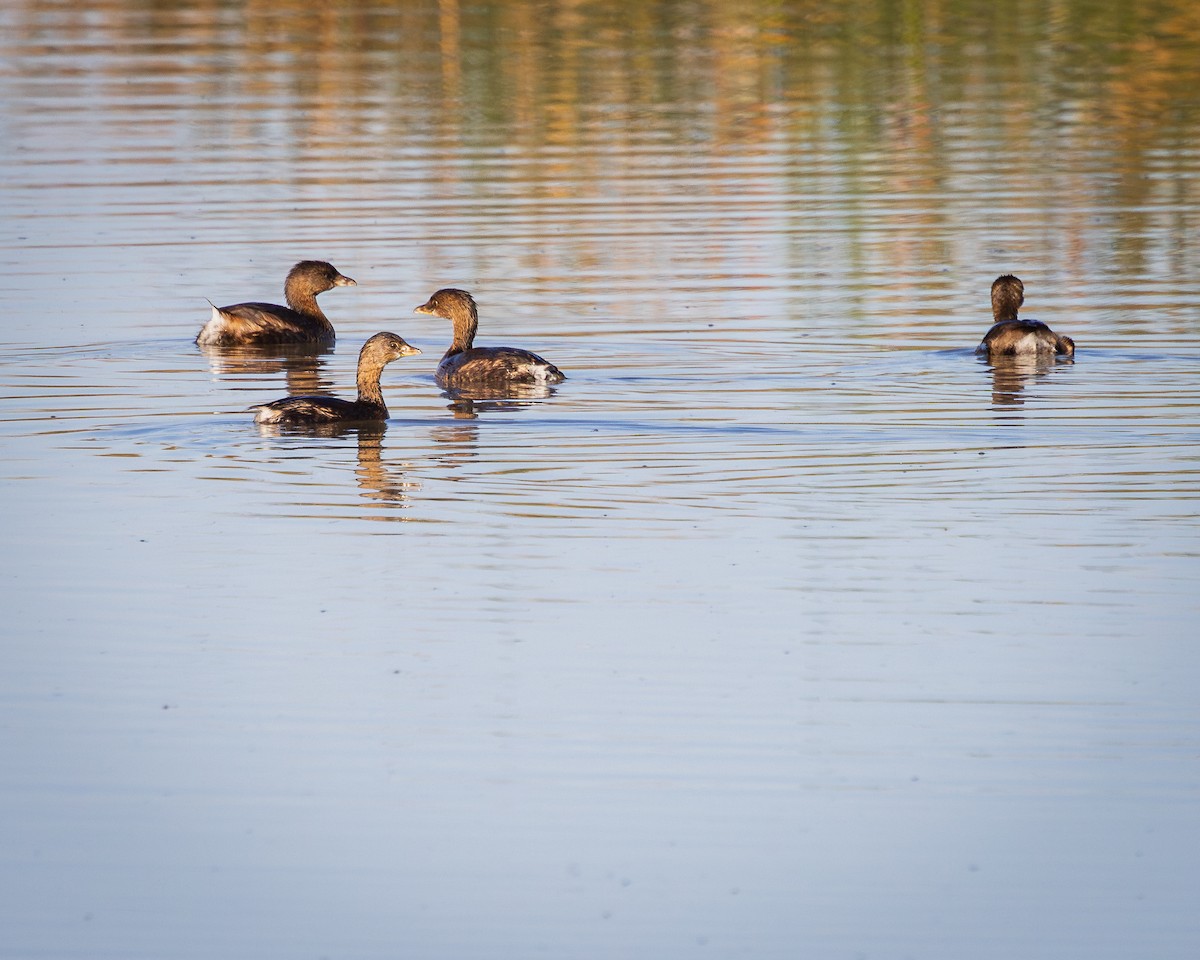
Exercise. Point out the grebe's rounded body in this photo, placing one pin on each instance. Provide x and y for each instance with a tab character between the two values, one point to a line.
301	321
465	365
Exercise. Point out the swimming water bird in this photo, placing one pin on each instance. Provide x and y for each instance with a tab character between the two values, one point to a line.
375	354
1011	336
465	365
301	321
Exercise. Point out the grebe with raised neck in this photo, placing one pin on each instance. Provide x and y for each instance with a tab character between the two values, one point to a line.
465	364
375	354
301	321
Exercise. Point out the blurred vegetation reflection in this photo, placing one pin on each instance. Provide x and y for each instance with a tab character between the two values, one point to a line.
721	68
1093	100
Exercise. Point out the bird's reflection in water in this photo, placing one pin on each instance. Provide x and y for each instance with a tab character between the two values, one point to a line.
302	365
457	441
467	404
1011	375
377	479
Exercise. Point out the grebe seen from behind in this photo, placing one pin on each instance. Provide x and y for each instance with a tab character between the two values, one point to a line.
1011	336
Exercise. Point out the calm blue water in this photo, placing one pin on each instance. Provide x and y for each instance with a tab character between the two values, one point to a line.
785	627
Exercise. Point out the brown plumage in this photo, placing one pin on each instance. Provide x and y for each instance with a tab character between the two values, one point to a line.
375	354
465	365
301	321
1011	336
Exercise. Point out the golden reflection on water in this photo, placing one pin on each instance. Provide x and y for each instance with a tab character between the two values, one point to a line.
380	480
303	366
1105	87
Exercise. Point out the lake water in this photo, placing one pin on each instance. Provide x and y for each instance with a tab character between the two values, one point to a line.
785	627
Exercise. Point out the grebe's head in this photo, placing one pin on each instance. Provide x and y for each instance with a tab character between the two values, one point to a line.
1008	293
386	347
318	275
447	303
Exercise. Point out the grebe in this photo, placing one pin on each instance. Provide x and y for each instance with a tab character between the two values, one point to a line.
301	321
1011	336
465	365
375	354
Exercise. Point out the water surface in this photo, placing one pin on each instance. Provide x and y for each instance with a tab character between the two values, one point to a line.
784	627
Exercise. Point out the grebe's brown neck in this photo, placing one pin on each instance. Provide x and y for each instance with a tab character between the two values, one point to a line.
464	316
376	354
1008	293
301	296
370	368
309	278
459	308
305	302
